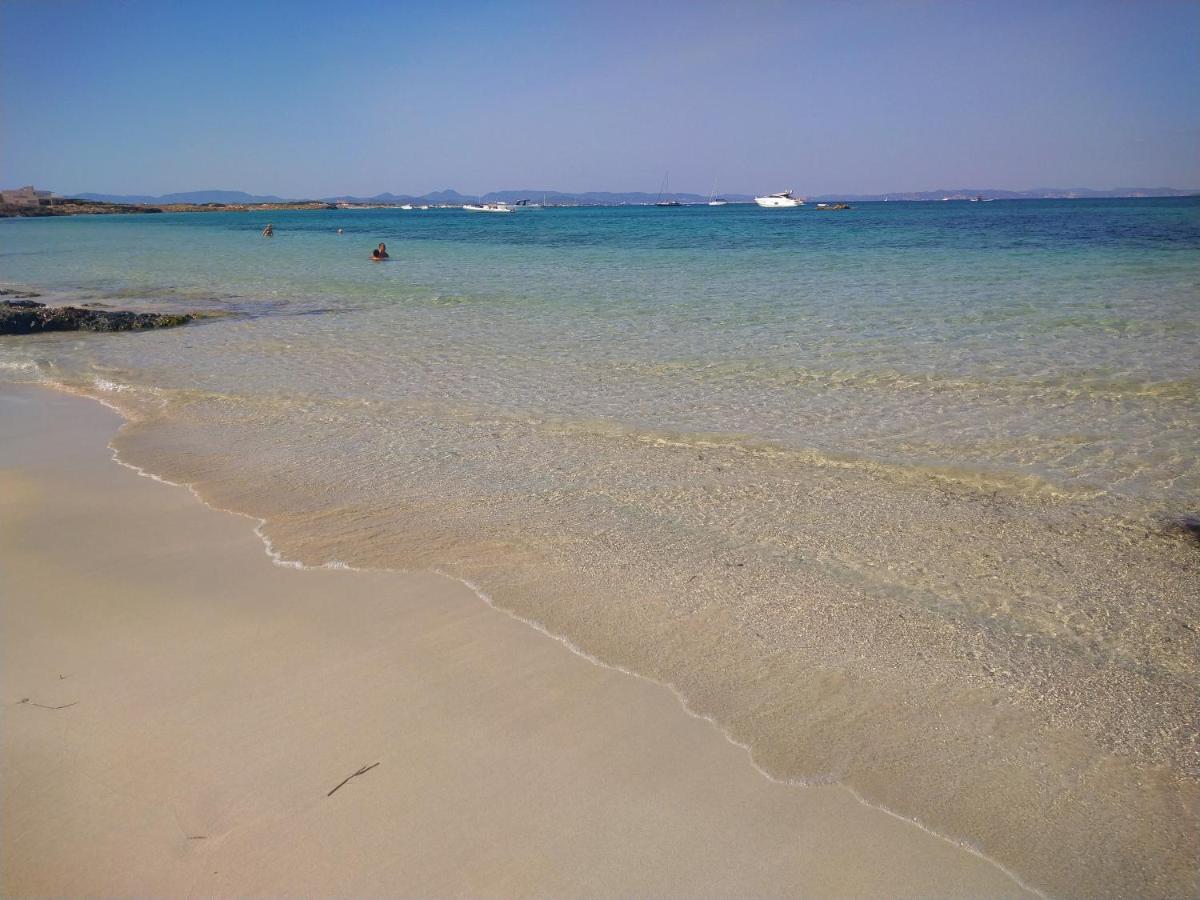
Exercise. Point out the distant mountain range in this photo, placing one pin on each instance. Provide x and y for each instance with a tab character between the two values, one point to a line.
1035	194
607	198
186	197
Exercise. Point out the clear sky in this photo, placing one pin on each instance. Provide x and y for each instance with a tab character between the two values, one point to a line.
305	98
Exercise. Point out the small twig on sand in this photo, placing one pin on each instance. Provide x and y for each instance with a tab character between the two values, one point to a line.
361	771
44	706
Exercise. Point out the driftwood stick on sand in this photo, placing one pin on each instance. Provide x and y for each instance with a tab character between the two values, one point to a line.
361	771
44	706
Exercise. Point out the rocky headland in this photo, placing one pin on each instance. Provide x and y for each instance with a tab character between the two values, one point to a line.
71	208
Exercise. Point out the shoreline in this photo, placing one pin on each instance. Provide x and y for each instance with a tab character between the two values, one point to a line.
45	472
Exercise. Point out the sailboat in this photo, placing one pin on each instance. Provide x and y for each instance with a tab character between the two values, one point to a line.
664	192
714	200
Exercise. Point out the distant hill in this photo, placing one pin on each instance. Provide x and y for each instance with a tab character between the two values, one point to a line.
588	198
610	198
1035	194
186	197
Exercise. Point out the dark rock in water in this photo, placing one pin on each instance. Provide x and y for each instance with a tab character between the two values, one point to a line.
1191	524
19	295
27	317
1186	525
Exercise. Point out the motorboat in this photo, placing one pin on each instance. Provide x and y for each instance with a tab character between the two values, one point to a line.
488	207
783	199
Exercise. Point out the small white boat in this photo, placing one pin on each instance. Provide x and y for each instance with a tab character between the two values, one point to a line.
488	207
783	199
713	199
407	206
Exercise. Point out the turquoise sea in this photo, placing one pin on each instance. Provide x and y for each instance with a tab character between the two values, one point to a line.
1045	340
894	494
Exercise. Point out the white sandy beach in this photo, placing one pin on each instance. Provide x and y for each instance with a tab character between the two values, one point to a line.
176	709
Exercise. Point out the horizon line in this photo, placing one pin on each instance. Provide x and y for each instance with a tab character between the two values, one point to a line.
557	191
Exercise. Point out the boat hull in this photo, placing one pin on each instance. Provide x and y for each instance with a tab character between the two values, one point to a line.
778	202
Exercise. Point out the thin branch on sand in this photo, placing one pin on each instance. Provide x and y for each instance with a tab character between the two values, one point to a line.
44	706
361	771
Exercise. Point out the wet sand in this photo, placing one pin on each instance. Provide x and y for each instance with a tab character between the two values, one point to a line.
177	708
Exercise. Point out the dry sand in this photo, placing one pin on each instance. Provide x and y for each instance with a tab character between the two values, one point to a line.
176	709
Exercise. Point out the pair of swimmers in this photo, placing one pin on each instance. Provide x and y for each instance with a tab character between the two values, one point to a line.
378	254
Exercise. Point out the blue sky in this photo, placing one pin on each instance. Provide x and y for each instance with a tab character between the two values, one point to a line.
314	99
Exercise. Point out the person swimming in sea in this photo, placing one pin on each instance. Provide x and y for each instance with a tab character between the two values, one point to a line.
269	231
380	253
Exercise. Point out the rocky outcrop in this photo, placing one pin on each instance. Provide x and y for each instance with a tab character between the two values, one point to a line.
26	316
72	208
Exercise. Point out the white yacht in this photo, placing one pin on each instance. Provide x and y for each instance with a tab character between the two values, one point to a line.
778	201
488	207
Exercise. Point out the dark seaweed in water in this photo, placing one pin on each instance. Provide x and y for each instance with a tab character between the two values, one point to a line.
30	317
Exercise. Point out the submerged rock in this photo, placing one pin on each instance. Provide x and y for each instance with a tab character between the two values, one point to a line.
29	317
1191	526
16	294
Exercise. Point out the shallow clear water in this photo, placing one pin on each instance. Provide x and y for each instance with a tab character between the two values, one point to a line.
810	467
1050	341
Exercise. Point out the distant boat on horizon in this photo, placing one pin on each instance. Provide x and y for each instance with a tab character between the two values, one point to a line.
781	200
488	207
714	200
664	192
